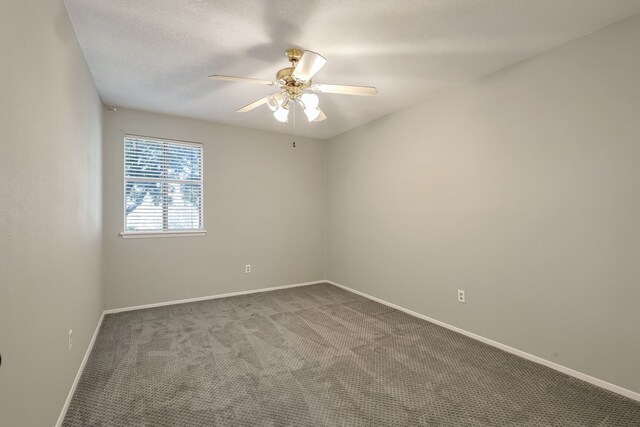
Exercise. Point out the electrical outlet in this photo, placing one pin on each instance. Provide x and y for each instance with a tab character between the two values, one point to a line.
70	339
461	295
247	268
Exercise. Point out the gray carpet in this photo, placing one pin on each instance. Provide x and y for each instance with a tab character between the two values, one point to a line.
318	356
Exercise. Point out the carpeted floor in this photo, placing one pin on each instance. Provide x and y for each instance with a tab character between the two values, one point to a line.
318	356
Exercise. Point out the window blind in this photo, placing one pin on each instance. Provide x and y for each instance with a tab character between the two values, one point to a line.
163	185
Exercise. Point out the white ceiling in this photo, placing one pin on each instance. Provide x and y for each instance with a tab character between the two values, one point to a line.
155	55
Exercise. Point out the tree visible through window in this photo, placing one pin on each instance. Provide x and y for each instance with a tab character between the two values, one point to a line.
163	185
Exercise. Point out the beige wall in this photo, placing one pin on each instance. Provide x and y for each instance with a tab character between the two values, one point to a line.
264	205
50	210
523	189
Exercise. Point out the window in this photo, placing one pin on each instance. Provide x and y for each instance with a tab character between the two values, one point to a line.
162	187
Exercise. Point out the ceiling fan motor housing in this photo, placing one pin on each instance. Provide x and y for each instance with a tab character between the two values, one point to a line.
293	87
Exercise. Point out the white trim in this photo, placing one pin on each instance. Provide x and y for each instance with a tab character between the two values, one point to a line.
230	294
150	234
79	374
584	377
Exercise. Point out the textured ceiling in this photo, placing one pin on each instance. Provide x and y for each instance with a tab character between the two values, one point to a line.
155	55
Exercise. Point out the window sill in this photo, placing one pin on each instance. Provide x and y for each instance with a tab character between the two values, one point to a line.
151	234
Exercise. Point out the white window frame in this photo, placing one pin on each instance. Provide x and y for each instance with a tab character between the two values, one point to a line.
157	233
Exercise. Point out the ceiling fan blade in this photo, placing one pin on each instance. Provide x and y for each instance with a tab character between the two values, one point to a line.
321	116
309	64
241	79
345	90
253	105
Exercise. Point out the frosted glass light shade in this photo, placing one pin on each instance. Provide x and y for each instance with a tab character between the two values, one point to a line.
275	101
312	113
310	100
281	114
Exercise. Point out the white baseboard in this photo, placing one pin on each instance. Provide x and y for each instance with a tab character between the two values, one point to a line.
584	377
79	374
230	294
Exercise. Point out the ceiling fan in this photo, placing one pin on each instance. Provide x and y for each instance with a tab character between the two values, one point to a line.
297	87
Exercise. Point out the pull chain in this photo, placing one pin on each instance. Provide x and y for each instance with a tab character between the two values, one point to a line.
294	125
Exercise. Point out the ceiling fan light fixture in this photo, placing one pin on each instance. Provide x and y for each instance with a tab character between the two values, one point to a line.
312	113
282	114
294	82
321	116
275	101
310	100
